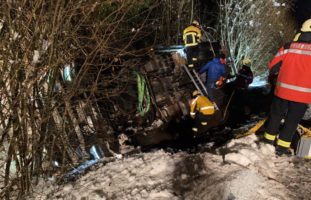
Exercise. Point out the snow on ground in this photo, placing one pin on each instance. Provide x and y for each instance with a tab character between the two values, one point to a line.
243	169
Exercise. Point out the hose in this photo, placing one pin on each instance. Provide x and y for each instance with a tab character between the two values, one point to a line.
143	95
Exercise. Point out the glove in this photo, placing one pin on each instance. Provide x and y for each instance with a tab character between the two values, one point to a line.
220	82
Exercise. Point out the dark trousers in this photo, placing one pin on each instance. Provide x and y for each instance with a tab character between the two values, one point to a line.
210	87
192	55
201	121
292	112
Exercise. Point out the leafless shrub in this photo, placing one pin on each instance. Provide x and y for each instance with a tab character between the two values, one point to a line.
255	29
41	112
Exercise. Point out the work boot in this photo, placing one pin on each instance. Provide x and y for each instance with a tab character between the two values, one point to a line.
282	151
266	141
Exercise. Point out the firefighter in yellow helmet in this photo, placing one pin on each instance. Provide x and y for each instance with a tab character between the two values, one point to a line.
305	30
245	75
201	109
192	36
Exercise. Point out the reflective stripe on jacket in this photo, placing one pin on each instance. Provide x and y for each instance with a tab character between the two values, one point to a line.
294	79
192	36
203	105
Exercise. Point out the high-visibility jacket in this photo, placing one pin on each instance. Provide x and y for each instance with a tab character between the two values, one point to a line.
294	77
203	105
192	36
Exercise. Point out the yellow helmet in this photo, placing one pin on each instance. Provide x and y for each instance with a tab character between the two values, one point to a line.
246	61
306	26
195	93
195	22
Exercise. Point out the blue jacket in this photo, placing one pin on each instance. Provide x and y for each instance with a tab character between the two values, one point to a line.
214	70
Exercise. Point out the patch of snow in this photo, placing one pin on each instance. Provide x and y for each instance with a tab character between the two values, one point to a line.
1	24
238	159
259	81
161	194
36	56
14	34
118	156
266	149
276	4
67	188
244	185
250	171
251	23
250	154
155	124
45	45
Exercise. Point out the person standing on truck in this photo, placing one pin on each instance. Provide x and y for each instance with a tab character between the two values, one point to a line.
215	72
244	78
192	36
201	110
292	93
245	75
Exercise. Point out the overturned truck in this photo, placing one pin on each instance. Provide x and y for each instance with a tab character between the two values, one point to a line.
146	101
151	101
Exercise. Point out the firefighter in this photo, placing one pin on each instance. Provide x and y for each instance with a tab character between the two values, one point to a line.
215	72
201	109
244	78
192	36
245	75
292	64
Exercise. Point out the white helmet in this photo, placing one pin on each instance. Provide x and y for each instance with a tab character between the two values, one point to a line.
195	22
306	26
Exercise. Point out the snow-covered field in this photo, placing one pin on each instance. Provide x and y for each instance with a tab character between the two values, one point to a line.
243	169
